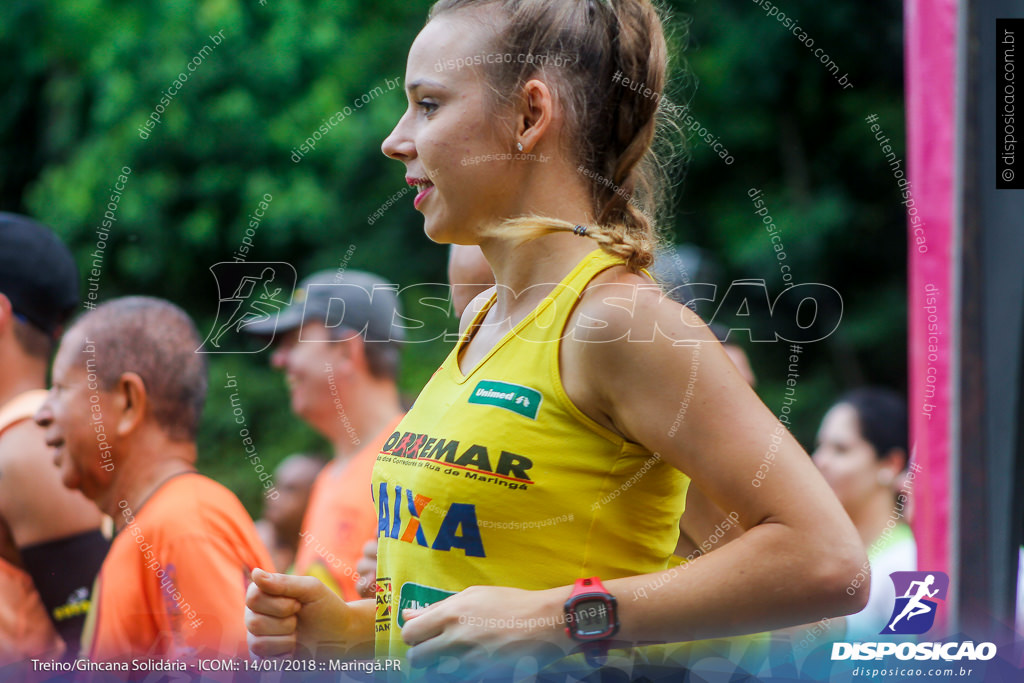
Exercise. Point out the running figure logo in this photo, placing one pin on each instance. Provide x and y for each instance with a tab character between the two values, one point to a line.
916	595
256	294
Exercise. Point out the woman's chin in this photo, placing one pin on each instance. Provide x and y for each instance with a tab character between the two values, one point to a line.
437	230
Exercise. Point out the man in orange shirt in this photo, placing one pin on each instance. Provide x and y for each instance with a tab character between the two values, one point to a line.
128	391
338	347
50	541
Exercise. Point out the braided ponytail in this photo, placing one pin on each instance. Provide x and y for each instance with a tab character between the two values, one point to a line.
610	94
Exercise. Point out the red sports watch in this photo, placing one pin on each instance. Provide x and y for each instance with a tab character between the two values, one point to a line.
592	618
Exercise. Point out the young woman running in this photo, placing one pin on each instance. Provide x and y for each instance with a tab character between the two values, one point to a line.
549	455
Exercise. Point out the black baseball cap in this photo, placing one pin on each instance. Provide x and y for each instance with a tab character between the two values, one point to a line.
37	273
353	299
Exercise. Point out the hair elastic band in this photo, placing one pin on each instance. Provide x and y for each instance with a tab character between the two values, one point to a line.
580	230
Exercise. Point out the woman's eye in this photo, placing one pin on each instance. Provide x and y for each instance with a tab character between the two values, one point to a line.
428	107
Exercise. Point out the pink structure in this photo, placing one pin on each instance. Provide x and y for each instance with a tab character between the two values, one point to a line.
931	44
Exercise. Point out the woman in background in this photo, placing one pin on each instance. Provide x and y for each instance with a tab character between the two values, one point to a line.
862	450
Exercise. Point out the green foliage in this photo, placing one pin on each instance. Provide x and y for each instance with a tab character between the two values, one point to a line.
80	79
796	134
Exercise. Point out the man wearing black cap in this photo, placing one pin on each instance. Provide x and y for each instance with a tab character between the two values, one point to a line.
50	541
337	344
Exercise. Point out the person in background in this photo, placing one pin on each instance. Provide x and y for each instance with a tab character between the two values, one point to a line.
861	451
469	275
343	377
737	354
282	515
50	541
173	584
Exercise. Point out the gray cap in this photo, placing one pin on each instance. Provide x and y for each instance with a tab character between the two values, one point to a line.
355	300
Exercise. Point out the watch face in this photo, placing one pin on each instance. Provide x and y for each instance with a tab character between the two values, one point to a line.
590	617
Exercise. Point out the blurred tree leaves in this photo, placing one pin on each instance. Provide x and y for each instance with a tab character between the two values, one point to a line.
800	137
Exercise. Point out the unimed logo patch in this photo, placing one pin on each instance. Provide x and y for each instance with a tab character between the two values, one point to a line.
417	596
515	397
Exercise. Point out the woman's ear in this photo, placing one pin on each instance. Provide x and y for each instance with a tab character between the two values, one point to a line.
535	115
891	465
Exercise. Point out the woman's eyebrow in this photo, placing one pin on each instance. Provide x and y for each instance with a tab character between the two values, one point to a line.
423	81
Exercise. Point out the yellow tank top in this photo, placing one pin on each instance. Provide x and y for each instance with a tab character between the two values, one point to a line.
497	478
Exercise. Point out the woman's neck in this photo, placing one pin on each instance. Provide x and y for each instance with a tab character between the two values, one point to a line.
873	516
554	189
527	272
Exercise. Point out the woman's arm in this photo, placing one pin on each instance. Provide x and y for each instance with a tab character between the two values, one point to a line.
800	552
701	521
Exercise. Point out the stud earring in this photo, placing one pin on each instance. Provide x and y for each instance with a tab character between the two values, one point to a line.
519	146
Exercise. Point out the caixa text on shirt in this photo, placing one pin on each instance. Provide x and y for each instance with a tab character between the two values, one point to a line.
459	529
510	470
